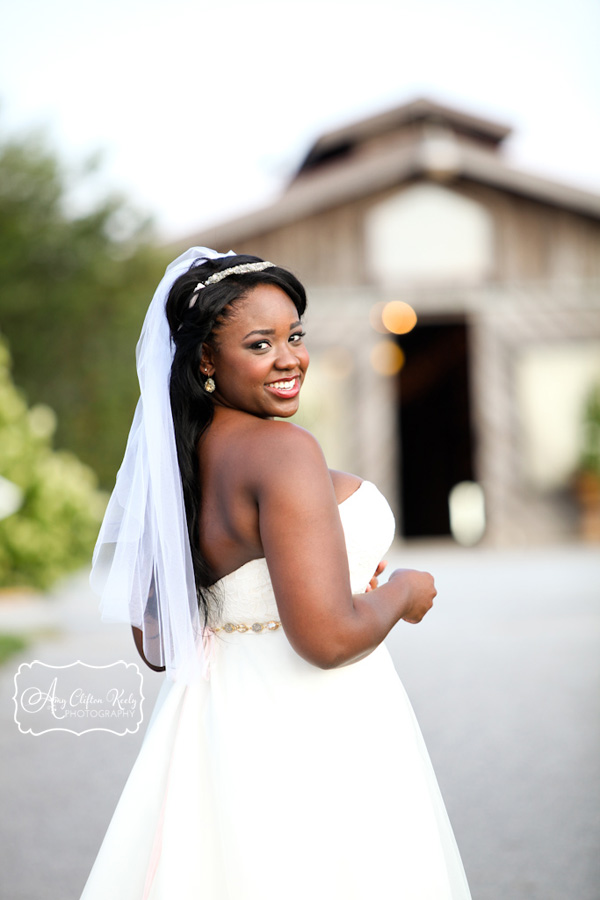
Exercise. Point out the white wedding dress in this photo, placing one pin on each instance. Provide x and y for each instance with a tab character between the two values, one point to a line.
277	780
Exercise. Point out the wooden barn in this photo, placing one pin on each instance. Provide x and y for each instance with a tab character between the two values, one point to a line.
472	423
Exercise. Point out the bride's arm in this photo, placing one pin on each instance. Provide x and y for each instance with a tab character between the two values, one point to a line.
150	618
305	549
138	640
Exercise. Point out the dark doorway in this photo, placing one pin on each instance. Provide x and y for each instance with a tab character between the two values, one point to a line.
434	424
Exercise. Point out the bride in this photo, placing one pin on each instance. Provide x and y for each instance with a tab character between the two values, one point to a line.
283	759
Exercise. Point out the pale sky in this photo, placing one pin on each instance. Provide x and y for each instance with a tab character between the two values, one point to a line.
204	109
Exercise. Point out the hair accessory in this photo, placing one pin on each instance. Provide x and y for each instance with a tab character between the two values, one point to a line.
234	270
209	385
142	564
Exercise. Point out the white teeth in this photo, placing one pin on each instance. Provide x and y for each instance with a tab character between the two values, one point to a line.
283	385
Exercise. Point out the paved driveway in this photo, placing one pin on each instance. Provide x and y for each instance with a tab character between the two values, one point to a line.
504	675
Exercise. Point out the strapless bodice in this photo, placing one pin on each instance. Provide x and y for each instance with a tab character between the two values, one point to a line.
246	595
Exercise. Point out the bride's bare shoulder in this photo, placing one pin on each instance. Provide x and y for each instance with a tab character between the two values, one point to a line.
303	455
276	452
277	432
344	484
286	445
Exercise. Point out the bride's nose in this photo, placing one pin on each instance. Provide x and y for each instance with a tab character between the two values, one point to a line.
286	358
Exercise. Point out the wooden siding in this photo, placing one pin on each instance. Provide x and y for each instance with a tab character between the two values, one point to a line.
533	241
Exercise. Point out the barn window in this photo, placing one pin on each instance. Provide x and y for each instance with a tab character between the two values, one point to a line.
428	233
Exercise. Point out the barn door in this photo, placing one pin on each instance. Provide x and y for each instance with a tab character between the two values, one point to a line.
436	451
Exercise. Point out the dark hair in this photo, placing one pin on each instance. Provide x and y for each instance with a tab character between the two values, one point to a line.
191	405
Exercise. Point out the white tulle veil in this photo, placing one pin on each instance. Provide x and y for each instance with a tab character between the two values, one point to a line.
142	563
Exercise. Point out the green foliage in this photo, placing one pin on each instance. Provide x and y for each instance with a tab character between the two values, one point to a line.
11	644
590	458
55	528
73	293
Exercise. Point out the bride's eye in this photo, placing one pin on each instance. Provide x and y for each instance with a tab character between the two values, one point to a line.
297	337
260	345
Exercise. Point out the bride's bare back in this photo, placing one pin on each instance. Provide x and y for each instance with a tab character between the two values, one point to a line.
235	455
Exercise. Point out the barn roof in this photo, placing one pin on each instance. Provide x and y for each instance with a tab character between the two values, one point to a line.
419	140
417	113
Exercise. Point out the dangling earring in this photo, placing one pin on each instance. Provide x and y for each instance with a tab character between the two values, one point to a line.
209	384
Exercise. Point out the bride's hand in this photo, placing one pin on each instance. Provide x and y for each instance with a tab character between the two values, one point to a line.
374	582
419	590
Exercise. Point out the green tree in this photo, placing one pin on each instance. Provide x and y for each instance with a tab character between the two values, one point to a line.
73	292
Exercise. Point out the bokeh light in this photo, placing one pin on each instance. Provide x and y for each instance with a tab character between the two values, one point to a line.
398	317
375	317
387	358
11	498
467	513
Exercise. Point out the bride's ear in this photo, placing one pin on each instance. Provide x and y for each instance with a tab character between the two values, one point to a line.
207	367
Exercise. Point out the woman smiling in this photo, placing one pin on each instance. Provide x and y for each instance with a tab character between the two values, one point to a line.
283	759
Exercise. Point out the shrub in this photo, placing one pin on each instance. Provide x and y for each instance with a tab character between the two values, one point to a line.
54	529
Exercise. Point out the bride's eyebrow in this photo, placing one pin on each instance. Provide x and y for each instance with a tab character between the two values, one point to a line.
259	331
269	330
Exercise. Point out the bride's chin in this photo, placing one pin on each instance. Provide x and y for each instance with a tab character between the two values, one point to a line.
287	413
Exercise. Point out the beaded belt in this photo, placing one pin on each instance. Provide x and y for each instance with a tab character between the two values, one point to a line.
256	627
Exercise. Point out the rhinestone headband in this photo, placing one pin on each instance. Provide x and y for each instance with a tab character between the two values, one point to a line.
233	270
